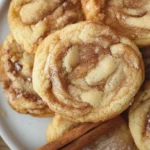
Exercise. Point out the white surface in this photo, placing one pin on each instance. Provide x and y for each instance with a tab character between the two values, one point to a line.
20	132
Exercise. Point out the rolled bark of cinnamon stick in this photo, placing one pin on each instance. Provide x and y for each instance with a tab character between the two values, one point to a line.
81	135
92	135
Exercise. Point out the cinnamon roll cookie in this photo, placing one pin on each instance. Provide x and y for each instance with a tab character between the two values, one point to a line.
139	118
87	73
129	17
31	21
17	80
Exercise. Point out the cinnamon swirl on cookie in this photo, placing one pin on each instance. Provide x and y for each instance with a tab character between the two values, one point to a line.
86	72
139	118
31	21
129	17
17	80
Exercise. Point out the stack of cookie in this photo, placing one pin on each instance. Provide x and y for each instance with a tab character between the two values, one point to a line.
80	61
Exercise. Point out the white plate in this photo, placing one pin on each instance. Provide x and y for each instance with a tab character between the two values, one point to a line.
20	132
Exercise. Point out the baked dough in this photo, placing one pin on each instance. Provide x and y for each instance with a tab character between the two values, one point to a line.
139	118
32	20
87	73
129	17
16	72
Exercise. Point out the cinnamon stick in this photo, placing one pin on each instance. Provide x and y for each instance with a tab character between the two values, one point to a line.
69	136
82	134
91	136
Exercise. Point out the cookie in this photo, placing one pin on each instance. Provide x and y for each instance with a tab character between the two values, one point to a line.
86	72
31	21
139	118
17	80
128	17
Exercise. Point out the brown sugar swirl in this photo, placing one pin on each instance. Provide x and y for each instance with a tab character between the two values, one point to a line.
139	118
129	17
17	80
86	72
31	21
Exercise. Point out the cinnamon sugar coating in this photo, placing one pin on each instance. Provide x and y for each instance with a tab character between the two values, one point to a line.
86	72
128	17
17	80
139	119
31	21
